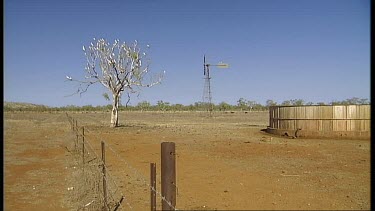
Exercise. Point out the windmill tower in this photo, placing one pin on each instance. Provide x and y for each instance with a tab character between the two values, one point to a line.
207	94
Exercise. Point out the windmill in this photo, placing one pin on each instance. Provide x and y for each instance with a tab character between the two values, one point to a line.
207	94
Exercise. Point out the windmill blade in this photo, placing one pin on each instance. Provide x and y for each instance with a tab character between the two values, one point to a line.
204	64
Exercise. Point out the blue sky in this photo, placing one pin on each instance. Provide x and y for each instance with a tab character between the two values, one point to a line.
315	50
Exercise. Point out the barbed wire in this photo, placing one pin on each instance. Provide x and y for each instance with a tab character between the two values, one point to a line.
107	177
109	180
135	171
141	176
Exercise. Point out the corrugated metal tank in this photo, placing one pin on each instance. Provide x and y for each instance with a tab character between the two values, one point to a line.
352	121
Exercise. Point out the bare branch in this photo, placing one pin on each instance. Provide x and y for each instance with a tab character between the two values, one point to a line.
127	102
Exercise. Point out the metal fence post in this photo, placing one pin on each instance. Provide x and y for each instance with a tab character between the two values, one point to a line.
153	185
168	175
83	149
73	129
76	130
104	177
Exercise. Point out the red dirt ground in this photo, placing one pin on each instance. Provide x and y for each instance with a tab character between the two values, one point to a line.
223	162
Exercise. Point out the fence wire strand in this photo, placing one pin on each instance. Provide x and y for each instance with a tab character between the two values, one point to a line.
137	173
93	177
87	190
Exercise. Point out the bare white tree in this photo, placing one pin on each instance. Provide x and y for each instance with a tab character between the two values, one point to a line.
119	67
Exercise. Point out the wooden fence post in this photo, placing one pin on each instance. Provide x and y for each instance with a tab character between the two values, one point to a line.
153	186
168	175
104	177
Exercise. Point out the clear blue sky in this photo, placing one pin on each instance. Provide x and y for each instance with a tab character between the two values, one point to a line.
315	50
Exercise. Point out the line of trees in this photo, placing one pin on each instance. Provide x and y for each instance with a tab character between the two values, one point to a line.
242	105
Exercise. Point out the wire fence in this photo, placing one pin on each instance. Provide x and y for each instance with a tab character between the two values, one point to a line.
94	187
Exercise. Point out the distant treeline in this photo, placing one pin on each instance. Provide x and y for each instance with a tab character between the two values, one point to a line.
242	105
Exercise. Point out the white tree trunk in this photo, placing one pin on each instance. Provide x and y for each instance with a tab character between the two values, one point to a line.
114	114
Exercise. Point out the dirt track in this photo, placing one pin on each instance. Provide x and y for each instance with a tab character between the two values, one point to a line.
223	162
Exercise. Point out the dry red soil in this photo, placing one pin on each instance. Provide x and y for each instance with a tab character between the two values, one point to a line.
223	162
